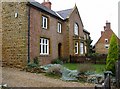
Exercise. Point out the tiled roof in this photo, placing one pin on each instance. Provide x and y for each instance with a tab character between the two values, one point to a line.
43	8
65	13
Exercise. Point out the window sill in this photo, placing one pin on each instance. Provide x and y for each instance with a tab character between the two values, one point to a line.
44	55
44	28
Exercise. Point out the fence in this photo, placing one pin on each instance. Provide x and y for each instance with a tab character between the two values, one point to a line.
101	59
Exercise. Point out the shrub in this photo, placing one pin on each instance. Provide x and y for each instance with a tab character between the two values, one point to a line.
113	54
32	65
55	70
36	61
57	61
65	59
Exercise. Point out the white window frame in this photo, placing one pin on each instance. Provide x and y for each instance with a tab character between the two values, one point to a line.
81	48
85	49
44	46
59	27
44	22
106	40
76	47
76	28
107	46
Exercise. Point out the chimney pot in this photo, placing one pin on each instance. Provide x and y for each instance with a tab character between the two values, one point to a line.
108	27
104	28
102	32
47	4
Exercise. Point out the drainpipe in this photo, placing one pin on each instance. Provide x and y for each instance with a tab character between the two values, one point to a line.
28	34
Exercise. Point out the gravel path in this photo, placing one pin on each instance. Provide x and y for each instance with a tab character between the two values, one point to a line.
16	78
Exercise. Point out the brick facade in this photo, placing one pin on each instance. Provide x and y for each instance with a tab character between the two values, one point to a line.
104	39
22	30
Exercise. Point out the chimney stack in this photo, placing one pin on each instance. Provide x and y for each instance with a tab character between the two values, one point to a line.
47	4
108	27
104	28
102	32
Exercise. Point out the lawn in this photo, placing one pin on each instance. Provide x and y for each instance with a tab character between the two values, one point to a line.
99	68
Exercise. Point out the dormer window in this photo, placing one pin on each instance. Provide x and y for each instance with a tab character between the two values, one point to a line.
44	22
59	27
75	28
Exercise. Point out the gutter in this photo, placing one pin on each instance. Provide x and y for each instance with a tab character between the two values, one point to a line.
28	34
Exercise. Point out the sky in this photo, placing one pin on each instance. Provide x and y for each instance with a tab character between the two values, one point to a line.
94	14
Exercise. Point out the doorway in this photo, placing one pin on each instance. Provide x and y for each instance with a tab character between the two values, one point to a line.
59	50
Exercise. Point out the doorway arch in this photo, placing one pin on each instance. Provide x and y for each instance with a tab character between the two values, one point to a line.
59	50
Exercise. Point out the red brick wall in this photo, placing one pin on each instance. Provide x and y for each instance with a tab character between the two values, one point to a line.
75	17
36	31
100	45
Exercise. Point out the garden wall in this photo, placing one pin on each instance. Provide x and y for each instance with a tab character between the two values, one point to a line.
101	59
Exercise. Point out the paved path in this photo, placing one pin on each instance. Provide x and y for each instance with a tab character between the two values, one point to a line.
16	78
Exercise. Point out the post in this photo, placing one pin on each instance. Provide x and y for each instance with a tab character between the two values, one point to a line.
117	74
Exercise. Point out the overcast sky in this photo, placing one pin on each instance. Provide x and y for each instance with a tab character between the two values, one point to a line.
94	14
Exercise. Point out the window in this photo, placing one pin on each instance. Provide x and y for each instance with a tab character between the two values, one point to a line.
85	37
76	29
59	28
81	48
107	46
76	47
44	22
85	49
44	46
106	40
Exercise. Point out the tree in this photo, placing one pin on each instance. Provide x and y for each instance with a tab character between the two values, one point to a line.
113	54
89	46
119	51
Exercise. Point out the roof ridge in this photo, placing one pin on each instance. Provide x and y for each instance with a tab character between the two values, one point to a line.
65	10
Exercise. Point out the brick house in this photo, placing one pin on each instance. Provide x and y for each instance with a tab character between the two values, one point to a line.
31	29
102	45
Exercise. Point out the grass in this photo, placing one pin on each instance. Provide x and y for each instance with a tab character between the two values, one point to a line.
99	68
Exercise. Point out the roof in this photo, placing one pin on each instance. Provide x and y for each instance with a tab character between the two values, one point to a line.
86	31
65	13
43	8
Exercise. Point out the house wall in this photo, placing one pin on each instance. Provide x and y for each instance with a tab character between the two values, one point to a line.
100	45
74	17
36	31
14	34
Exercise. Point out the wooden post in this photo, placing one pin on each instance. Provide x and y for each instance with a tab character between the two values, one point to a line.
118	74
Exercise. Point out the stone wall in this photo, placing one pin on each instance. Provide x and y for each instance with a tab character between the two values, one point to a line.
14	34
75	18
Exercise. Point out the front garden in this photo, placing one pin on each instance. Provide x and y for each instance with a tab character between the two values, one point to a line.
87	72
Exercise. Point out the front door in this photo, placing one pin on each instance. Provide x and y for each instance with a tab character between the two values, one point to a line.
59	50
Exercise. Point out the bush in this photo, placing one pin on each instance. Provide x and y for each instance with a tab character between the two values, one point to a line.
113	54
85	68
36	61
32	65
54	71
57	61
65	59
